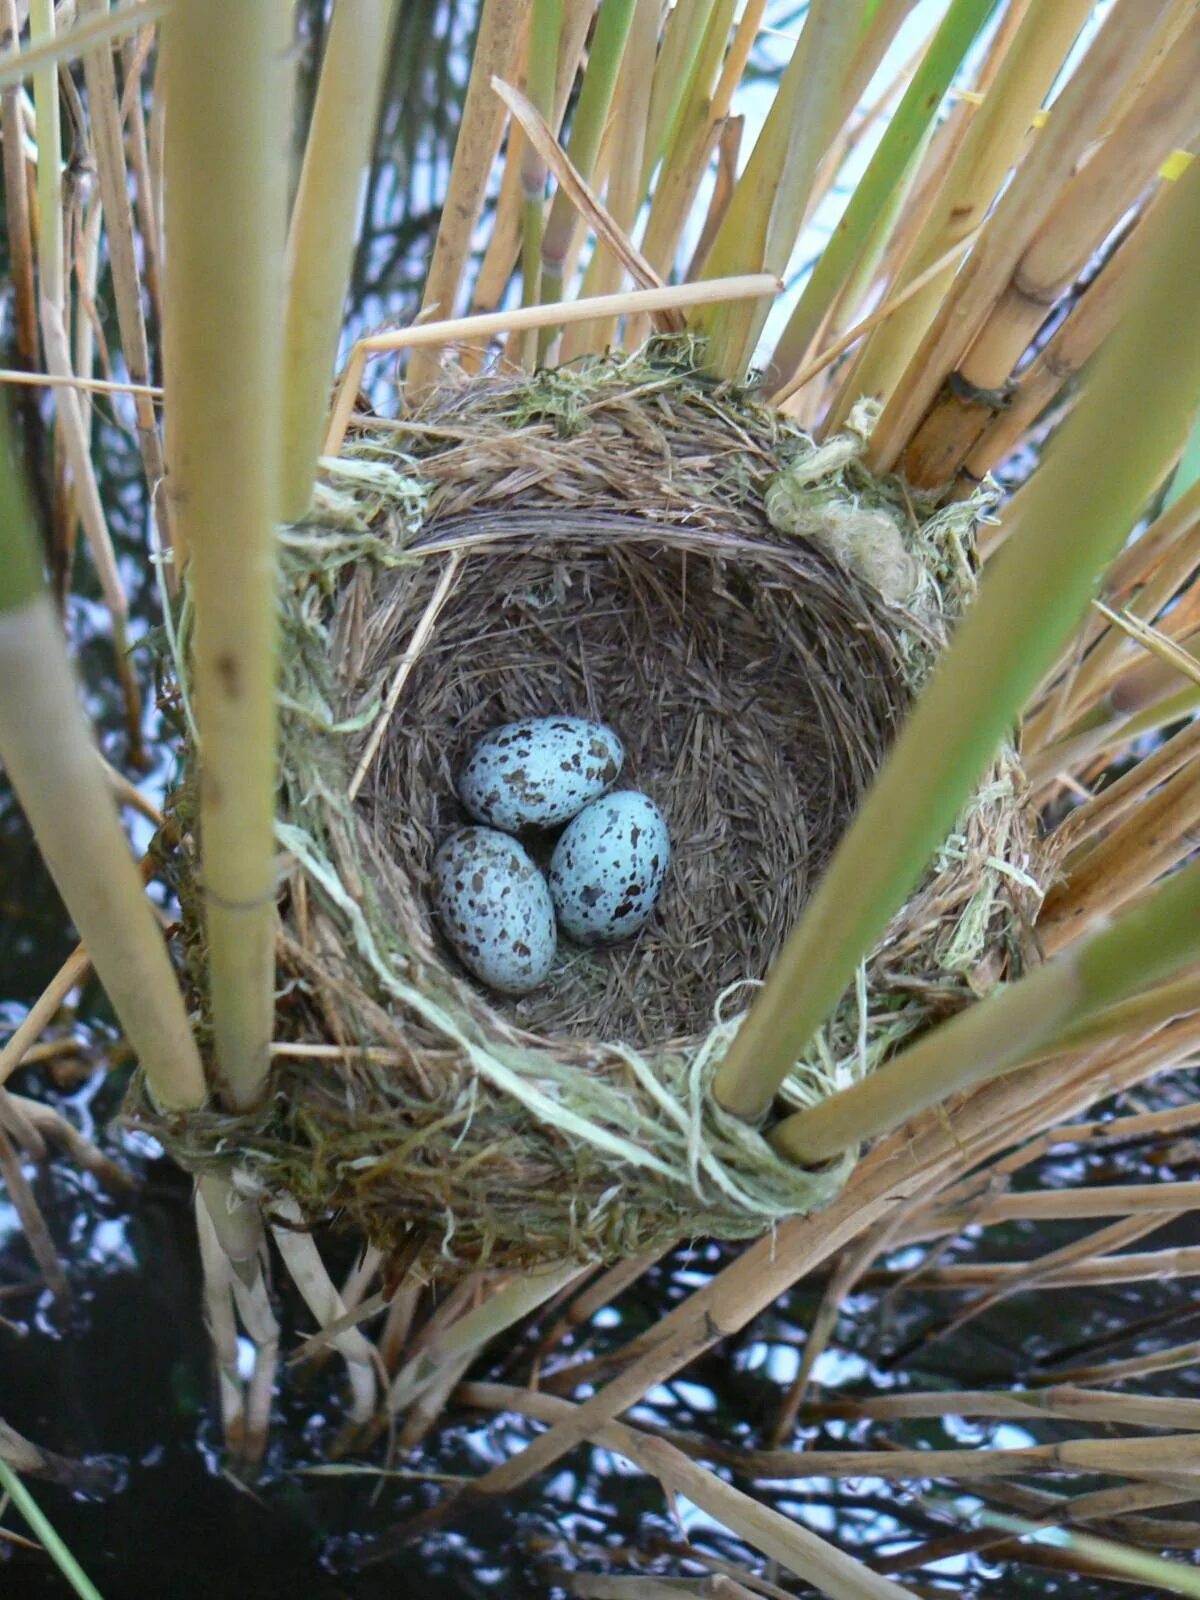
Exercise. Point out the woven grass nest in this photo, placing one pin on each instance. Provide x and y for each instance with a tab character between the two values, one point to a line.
632	543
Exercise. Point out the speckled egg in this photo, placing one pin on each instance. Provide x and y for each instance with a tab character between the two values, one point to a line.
495	908
540	772
608	867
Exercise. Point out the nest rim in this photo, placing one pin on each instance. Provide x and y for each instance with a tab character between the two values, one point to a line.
443	1120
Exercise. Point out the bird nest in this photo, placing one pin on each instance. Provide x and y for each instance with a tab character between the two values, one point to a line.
752	614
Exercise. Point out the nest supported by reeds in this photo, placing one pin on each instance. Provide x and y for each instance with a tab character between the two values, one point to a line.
627	542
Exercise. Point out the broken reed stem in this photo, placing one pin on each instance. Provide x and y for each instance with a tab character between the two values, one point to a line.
228	72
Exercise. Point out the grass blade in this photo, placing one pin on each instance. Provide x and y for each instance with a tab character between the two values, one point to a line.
44	1530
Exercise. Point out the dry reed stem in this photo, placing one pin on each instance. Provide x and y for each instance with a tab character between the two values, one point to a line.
49	380
22	1129
1061	1402
1044	1205
1046	1269
1099	677
18	224
810	1557
1080	111
961	193
504	244
134	52
1179	1355
18	65
1137	851
853	1262
526	318
988	1119
729	150
701	117
480	130
1087	207
1170	1455
611	1283
1055	365
889	308
107	135
98	1478
300	1256
87	1156
454	1349
52	286
33	1224
73	971
1133	1267
570	181
624	192
1140	563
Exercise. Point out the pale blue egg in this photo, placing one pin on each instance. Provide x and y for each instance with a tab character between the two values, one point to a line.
495	908
539	772
608	868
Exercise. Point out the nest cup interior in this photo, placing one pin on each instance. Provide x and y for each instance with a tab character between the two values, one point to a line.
755	688
591	542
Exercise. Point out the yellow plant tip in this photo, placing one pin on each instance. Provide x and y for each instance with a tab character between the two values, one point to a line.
1153	640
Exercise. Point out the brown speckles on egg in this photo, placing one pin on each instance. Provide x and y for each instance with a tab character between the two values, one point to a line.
495	909
539	772
608	868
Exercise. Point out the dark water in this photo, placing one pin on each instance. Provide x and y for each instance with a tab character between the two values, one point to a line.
124	1372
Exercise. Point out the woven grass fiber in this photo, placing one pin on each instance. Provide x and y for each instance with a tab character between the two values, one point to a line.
629	542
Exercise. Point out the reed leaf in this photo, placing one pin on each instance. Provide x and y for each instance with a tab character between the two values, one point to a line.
1063	528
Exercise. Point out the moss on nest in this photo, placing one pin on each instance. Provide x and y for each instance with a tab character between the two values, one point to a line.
628	541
